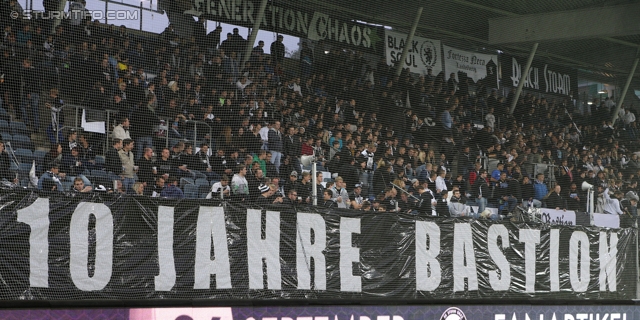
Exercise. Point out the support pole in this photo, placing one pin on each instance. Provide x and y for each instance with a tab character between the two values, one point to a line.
523	77
314	182
626	87
254	32
407	43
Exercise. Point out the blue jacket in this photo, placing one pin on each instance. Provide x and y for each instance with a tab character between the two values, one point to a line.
172	191
541	190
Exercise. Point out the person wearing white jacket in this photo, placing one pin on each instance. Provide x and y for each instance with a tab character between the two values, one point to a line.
121	131
612	205
340	194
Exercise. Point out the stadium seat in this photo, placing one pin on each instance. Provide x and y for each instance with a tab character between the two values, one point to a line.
204	195
202	181
24	155
99	173
212	182
67	185
22	141
19	128
100	161
38	155
6	136
24	168
184	181
191	191
4	126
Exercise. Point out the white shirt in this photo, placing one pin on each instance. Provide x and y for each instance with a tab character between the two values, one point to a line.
611	206
440	184
264	133
121	133
216	188
629	117
491	120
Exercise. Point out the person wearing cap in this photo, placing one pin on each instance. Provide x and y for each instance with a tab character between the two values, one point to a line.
356	197
51	175
266	196
292	183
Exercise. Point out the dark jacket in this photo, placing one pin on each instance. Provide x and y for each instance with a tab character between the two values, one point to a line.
480	187
5	164
555	200
275	141
112	161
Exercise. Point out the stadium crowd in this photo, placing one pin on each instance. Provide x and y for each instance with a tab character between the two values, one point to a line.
415	144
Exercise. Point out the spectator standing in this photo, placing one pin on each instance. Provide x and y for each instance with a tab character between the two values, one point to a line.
275	144
113	163
128	165
31	95
278	50
481	190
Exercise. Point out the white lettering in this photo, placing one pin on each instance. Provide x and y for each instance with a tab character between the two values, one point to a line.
308	247
211	226
554	252
167	277
349	255
579	269
79	245
500	280
428	271
608	261
464	260
530	238
37	217
267	249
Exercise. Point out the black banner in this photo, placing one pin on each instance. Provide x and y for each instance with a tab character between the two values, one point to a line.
295	21
543	77
99	246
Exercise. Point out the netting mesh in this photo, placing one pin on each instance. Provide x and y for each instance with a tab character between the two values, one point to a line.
147	98
178	99
111	81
